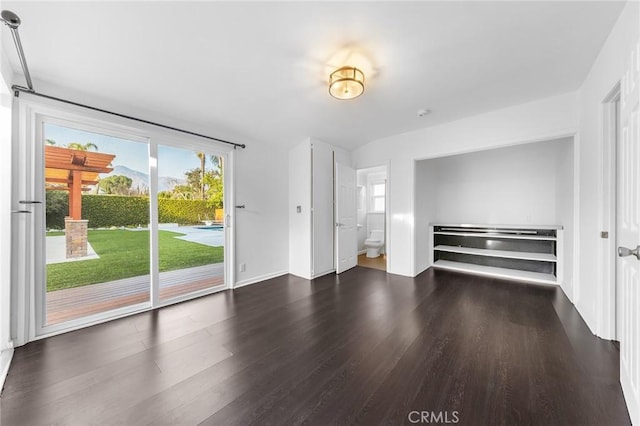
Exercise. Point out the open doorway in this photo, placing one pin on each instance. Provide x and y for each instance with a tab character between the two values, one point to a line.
371	217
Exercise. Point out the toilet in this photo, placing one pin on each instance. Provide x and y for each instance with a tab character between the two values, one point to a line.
374	243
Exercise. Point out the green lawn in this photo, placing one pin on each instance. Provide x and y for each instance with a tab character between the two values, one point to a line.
125	254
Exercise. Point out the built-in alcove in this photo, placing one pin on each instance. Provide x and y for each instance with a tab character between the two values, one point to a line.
523	185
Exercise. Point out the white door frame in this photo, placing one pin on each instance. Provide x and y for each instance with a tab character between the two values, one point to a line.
387	205
28	115
607	315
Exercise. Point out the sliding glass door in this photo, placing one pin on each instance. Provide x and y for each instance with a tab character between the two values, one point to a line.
191	232
96	214
111	222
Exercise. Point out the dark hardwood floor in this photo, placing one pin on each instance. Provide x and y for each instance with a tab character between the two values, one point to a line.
361	348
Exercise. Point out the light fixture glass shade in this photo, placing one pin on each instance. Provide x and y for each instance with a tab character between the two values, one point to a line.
346	83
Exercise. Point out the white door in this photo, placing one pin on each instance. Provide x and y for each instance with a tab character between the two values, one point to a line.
628	229
346	234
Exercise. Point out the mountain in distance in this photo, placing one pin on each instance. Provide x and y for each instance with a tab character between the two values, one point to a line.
167	183
141	180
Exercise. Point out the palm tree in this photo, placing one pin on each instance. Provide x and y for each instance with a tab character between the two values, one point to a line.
82	147
202	158
217	163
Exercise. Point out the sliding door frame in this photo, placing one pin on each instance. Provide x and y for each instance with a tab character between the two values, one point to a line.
28	244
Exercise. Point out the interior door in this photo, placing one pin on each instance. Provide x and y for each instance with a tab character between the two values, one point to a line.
346	233
628	231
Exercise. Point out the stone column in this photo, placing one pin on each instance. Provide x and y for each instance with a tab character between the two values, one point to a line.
76	237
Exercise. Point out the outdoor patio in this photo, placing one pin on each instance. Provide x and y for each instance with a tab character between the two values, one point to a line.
79	301
71	303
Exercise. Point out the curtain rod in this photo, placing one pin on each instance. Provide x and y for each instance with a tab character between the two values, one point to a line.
11	20
17	89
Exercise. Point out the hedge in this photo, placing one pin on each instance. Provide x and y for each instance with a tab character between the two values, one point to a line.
183	211
104	211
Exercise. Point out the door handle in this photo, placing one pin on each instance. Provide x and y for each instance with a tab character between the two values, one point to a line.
29	202
624	252
21	211
338	224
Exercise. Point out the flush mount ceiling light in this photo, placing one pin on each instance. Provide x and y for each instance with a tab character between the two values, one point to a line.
346	83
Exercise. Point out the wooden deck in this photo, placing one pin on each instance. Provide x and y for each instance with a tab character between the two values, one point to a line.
71	303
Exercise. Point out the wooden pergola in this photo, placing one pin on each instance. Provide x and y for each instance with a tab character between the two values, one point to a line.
67	169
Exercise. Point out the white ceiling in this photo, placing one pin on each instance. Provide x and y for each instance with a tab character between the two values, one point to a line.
258	71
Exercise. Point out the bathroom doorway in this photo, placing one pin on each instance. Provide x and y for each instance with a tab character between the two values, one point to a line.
371	217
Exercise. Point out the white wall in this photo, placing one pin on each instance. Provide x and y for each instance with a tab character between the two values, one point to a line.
262	240
514	185
426	180
5	216
529	184
591	295
565	200
535	121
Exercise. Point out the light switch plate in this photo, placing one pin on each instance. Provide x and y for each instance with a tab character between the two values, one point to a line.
604	234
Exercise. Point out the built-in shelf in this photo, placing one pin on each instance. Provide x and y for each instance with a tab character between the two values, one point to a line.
512	274
484	227
545	257
527	253
495	235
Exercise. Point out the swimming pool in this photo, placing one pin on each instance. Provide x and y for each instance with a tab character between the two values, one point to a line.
210	227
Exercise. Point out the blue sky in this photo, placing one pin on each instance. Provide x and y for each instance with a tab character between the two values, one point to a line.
172	162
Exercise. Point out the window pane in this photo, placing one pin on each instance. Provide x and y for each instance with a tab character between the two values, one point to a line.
378	204
378	189
191	221
97	216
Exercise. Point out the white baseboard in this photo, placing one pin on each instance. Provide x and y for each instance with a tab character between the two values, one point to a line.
321	274
260	278
5	362
421	269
